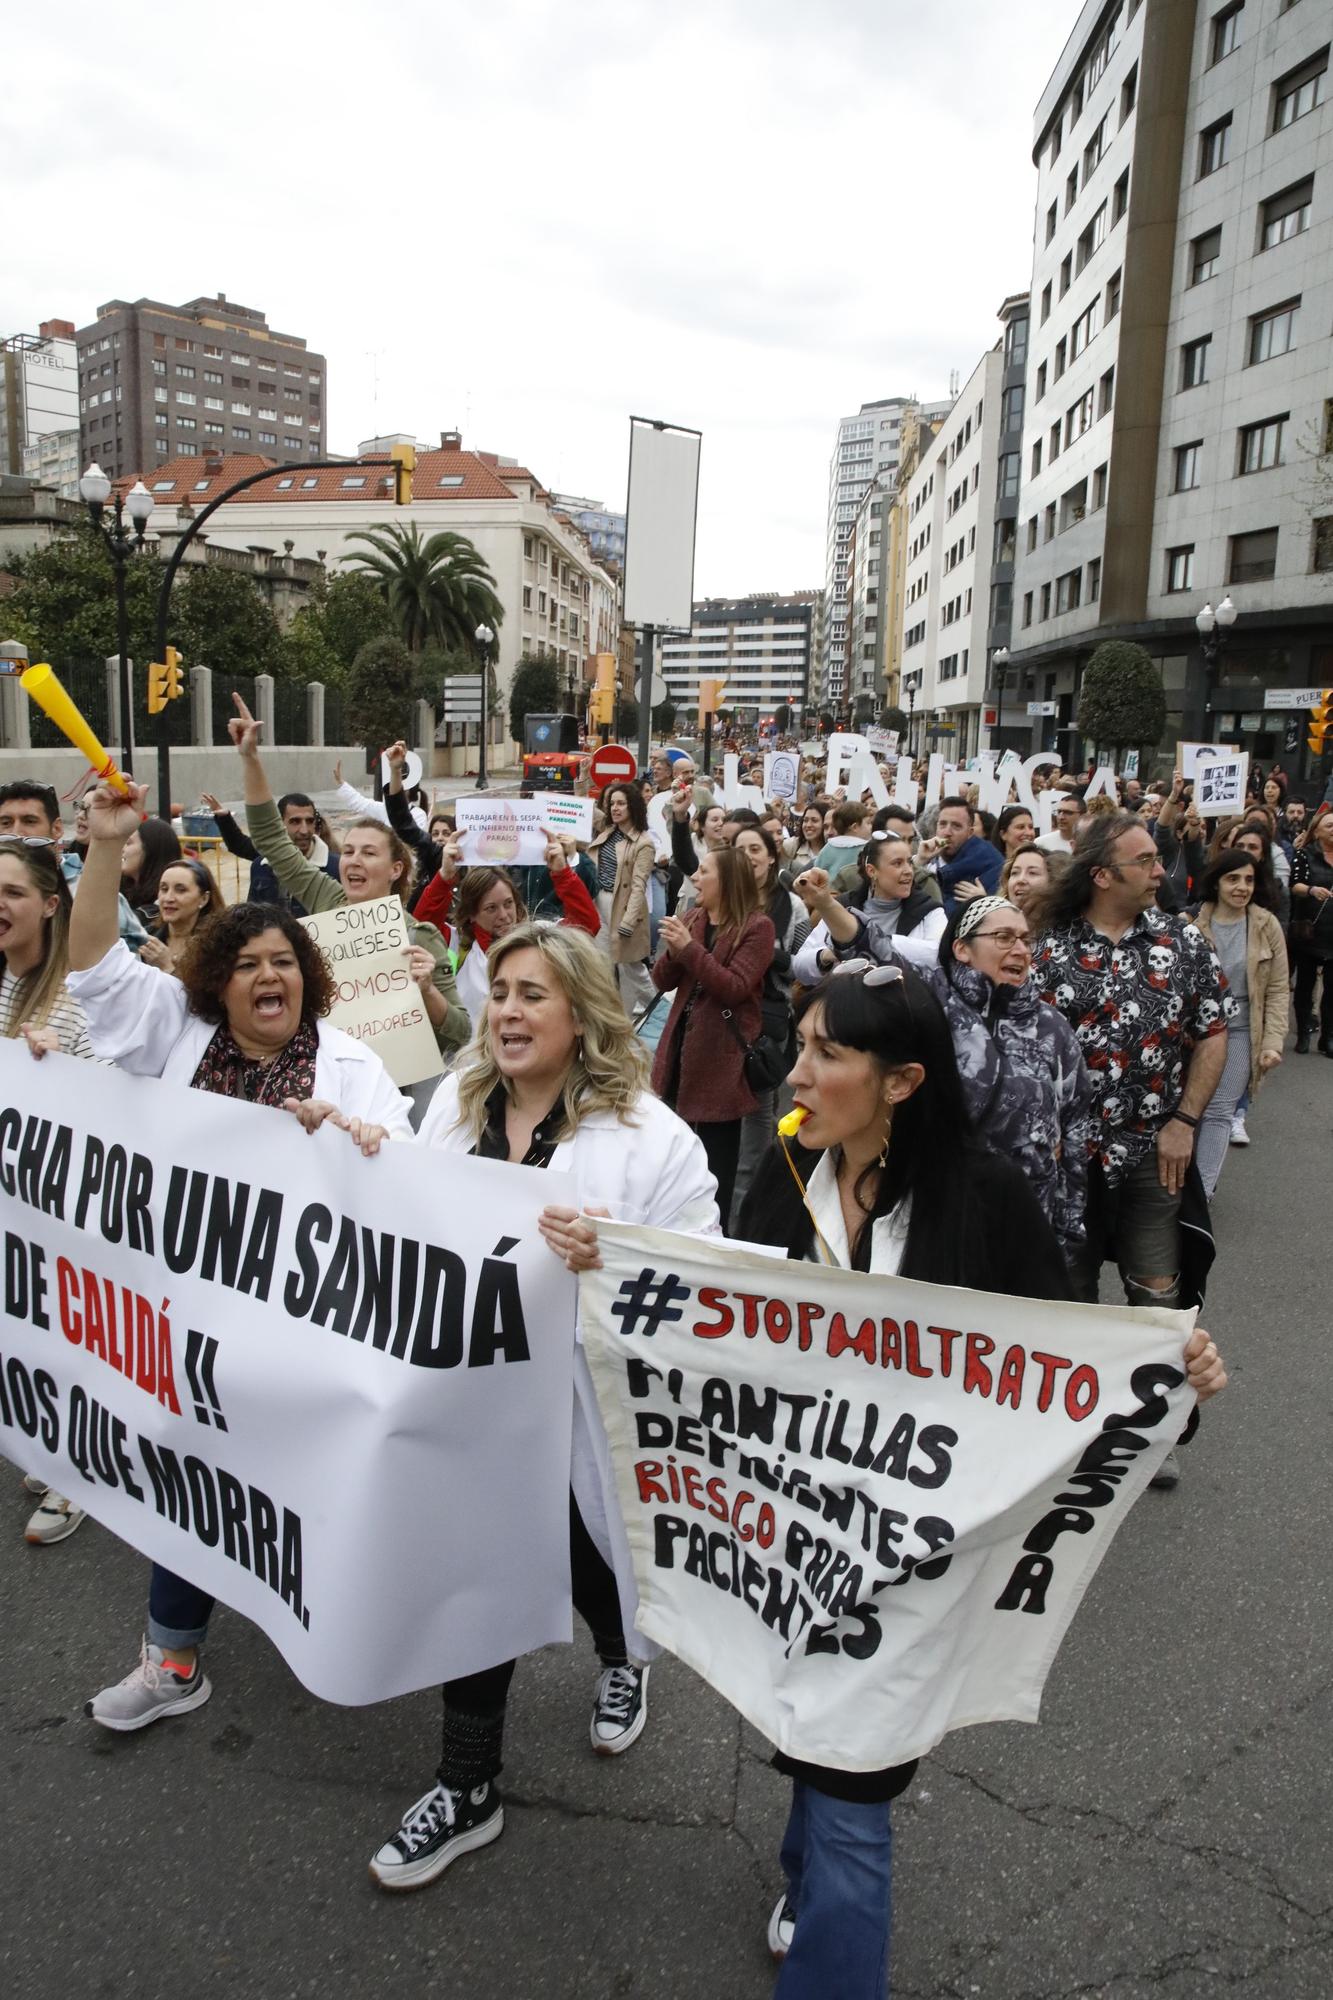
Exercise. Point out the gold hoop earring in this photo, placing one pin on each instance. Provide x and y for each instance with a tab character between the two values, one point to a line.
888	1134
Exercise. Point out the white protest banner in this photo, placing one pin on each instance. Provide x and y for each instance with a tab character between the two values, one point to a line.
782	775
883	742
1188	755
866	1509
501	833
565	812
1219	784
378	1000
236	1345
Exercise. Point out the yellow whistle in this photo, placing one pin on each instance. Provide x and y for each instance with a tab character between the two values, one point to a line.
792	1123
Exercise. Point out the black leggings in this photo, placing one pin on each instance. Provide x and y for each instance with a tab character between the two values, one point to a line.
474	1704
722	1145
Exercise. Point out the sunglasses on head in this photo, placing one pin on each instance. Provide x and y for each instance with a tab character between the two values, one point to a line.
870	973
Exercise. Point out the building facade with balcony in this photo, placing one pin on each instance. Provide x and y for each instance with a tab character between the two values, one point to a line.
762	646
1178	442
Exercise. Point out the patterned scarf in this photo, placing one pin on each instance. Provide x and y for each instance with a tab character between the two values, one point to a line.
225	1072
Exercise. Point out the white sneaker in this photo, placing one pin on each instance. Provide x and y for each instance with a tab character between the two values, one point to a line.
1239	1136
34	1485
155	1688
56	1518
620	1709
780	1927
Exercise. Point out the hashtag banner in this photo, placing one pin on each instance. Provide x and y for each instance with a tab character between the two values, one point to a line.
866	1509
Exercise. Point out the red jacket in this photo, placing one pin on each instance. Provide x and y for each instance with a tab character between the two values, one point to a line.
712	1085
579	910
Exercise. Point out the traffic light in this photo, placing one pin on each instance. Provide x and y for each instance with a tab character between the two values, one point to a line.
710	697
604	694
404	458
1320	723
164	681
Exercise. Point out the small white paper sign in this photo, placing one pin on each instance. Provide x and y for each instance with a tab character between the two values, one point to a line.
565	813
501	833
782	775
1220	785
1189	755
411	775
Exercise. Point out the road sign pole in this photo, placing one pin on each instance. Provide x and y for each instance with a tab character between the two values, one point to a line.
648	667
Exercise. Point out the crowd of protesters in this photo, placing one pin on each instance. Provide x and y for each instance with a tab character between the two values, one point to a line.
1019	1056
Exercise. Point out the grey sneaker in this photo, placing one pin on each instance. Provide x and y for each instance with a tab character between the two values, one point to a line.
155	1688
620	1710
32	1485
780	1927
56	1518
435	1831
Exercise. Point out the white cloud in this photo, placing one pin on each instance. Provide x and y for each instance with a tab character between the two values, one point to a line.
529	221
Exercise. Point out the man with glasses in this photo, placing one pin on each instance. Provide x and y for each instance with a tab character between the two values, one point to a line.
1148	1001
31	811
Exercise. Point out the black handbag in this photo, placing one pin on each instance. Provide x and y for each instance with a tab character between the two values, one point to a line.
764	1060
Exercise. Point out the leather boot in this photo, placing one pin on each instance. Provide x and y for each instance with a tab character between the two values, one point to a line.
1302	1041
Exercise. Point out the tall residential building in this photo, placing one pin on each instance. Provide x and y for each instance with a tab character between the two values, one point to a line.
1015	319
39	389
53	461
762	646
604	528
1179	425
950	525
159	382
867	450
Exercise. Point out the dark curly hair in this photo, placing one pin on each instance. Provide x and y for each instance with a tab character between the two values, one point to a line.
210	959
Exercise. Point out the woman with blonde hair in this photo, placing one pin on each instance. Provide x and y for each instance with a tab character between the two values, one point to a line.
715	960
555	1078
36	1006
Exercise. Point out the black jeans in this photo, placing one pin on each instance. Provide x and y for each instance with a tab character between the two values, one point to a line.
722	1144
474	1704
1308	970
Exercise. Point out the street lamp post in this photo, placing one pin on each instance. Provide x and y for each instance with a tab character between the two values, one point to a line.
1214	628
121	543
485	639
1000	660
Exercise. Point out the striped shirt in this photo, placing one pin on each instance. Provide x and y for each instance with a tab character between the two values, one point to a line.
66	1017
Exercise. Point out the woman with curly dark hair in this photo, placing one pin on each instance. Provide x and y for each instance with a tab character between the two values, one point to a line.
244	1018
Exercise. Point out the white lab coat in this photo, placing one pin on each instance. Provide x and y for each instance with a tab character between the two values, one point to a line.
139	1019
653	1171
919	947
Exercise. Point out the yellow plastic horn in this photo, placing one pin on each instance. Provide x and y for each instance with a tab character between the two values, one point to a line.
44	687
792	1123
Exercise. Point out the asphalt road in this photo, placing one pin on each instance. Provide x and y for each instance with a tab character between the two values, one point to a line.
1165	1832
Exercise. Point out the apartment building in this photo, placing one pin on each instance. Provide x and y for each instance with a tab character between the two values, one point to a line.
762	647
39	389
949	515
159	382
1179	425
1015	319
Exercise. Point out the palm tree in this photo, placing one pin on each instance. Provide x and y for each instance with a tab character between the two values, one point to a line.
437	589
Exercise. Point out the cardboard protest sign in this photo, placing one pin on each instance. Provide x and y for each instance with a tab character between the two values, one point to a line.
229	1341
564	812
501	833
378	1000
1188	756
866	1509
782	775
1220	784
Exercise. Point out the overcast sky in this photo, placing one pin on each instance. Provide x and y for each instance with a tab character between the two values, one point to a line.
528	221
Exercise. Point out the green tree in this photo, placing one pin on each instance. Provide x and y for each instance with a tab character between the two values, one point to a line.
894	718
221	619
782	718
382	689
437	588
664	717
1121	703
629	719
534	690
63	606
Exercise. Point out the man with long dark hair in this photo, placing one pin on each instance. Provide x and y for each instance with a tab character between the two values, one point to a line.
1147	999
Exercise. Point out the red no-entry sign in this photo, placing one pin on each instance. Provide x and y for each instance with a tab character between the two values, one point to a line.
613	761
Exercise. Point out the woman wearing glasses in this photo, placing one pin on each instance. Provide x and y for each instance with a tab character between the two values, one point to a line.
886	1175
1024	1081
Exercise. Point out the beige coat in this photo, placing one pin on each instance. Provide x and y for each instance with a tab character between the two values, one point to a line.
629	896
1267	979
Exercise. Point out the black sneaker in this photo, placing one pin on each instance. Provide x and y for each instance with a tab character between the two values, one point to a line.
620	1710
435	1831
1167	1474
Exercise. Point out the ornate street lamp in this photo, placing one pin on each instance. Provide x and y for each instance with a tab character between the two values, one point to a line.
485	639
121	543
1214	628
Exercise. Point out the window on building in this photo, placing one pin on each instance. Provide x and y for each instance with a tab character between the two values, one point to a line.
1112	297
1045	602
1032	533
1052	221
1225	32
159	341
1071	189
161	418
1180	569
1099	486
1252	557
215	430
1009	474
182	346
186	374
1068	591
268	437
212	375
1084	329
1120	197
1214	147
185	450
1286	214
1048	523
1094	589
186	396
187	423
159	368
1205	256
1061	358
214	403
1194	362
159	396
240	433
283	484
1011	409
240	409
1056	136
1129	92
1027	608
1261	445
1073	505
355	479
1106	393
1081	416
1092	238
1273	332
1040	390
1299	91
1187	467
1321	547
1045	304
1067	270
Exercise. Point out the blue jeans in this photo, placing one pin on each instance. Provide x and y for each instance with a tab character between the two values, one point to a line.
837	1859
178	1612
